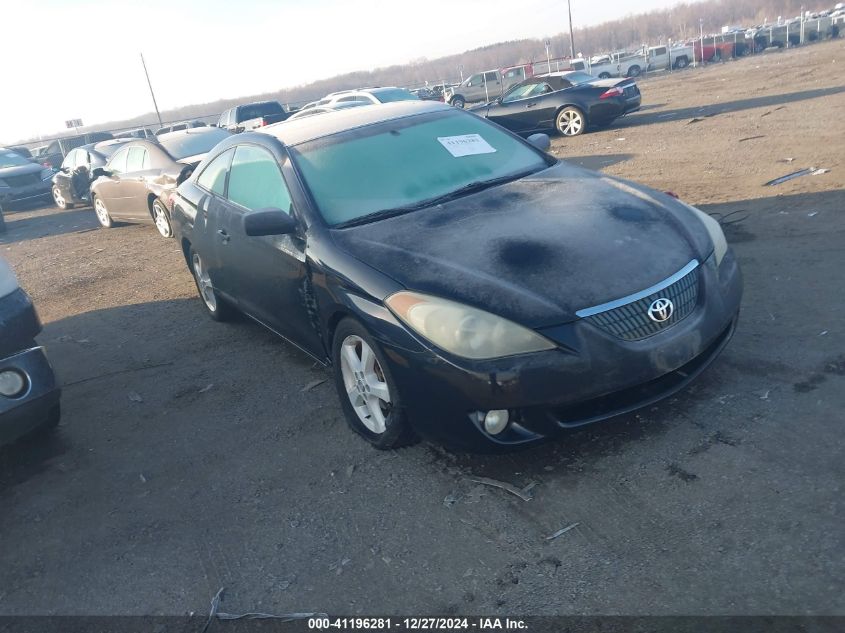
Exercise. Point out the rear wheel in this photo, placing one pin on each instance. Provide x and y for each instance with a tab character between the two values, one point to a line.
604	75
59	199
570	121
681	63
102	213
458	101
216	307
368	394
161	219
634	71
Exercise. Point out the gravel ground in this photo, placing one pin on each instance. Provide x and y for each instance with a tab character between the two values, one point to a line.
195	455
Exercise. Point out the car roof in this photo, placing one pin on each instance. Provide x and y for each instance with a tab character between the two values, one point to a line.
313	127
191	131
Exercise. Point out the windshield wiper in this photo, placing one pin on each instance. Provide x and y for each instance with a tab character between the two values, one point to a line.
473	187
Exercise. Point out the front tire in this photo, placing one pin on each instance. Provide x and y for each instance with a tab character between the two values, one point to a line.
604	75
216	307
161	219
570	122
102	213
368	394
458	102
59	199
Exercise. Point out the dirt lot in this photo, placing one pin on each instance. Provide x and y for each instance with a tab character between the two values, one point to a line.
192	456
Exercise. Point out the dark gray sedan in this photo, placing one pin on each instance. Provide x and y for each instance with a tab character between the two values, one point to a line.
135	184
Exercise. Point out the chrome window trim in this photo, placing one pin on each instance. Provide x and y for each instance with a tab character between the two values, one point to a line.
618	303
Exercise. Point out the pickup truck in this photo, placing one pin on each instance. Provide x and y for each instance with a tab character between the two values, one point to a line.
484	86
665	57
250	116
612	65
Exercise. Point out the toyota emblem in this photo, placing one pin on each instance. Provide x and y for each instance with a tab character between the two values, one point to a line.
660	310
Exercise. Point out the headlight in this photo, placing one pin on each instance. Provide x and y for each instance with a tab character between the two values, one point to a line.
462	330
46	174
720	244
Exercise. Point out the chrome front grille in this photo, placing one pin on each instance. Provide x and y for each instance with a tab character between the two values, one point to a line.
628	318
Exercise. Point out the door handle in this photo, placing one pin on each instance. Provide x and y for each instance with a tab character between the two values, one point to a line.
224	237
531	105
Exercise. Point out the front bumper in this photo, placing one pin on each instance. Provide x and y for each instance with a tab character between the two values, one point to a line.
591	376
26	193
38	405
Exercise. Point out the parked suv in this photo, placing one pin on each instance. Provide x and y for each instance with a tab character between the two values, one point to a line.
21	179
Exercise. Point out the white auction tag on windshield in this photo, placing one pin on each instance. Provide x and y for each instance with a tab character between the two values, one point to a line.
466	145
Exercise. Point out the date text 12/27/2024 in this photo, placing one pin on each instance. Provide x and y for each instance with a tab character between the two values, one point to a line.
417	624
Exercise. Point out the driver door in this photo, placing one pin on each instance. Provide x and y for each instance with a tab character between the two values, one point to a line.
268	275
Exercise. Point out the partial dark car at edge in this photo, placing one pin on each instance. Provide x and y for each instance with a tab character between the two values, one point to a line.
21	180
29	393
489	297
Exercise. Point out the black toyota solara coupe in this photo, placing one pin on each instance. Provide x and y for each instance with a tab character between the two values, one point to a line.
463	285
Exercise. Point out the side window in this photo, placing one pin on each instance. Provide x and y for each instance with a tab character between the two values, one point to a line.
82	159
117	164
491	78
660	51
213	177
255	181
54	148
135	162
475	80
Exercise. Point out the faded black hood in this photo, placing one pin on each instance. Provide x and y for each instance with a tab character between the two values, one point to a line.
538	249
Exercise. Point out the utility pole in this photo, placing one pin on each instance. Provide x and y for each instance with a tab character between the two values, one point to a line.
571	35
152	94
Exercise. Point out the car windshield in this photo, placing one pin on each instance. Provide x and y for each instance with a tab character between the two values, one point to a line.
405	162
523	91
579	78
397	94
192	142
8	158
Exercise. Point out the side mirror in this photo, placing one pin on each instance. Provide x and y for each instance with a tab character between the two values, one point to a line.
97	172
540	141
269	221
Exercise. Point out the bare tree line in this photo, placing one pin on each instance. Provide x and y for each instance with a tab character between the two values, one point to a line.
655	27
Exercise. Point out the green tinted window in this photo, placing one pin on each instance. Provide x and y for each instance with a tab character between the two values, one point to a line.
255	181
407	161
213	177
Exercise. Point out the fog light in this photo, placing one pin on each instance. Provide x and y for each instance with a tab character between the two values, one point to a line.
496	421
12	383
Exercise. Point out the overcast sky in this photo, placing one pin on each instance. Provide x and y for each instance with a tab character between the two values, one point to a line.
67	59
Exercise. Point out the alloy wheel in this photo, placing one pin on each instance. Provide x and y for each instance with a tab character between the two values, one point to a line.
102	213
570	123
59	198
204	283
161	221
365	383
